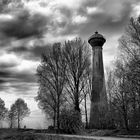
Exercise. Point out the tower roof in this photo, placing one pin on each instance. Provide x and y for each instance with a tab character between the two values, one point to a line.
96	35
96	38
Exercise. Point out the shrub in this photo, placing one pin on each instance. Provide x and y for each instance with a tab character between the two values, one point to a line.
50	127
70	121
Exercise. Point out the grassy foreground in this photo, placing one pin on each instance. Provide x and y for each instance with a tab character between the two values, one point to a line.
33	134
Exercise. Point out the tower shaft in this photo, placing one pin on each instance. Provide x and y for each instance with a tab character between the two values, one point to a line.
98	106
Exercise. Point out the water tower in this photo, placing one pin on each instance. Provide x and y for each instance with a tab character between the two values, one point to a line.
98	106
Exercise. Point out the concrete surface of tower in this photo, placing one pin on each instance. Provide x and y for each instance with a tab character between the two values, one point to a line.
98	106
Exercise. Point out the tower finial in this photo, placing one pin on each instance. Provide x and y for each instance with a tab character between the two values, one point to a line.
96	32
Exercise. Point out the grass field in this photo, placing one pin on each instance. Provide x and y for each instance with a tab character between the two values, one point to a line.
36	134
22	134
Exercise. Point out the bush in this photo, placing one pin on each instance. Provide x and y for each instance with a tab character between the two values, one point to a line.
70	121
50	127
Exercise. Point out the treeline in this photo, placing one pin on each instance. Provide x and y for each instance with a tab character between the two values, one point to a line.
15	114
64	77
123	81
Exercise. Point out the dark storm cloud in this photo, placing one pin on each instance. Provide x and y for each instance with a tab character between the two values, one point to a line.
4	5
110	17
36	51
21	49
19	88
114	23
25	76
5	74
18	81
105	23
7	65
2	81
23	25
22	88
27	52
10	73
5	77
22	76
64	10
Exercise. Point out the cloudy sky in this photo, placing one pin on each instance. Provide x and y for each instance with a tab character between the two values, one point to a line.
27	27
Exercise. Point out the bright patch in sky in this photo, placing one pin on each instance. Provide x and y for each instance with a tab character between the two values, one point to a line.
79	19
93	10
136	10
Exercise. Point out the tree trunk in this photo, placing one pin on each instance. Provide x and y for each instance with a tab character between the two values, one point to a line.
54	119
18	121
126	121
11	124
86	117
77	108
58	111
126	124
134	117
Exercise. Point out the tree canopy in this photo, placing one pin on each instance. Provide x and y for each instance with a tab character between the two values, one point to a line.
18	111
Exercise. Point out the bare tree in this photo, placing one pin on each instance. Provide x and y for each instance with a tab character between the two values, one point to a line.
121	96
123	84
76	54
119	89
52	77
130	53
